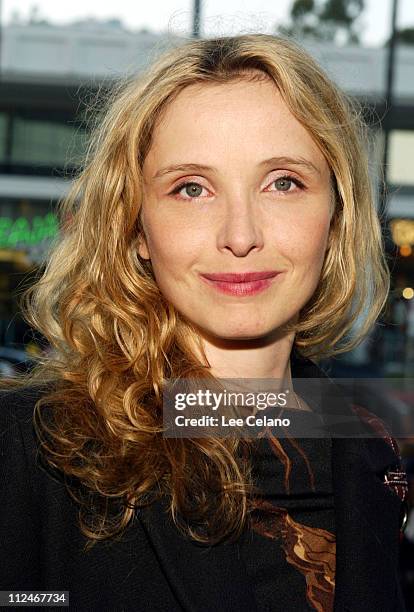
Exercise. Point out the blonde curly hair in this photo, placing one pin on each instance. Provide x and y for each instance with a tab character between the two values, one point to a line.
114	337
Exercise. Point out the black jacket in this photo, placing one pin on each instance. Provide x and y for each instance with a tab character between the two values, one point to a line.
154	568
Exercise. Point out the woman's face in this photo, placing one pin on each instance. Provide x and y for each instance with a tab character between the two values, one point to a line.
235	184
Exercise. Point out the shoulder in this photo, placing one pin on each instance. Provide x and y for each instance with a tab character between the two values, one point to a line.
22	468
382	447
17	434
16	413
18	440
17	404
26	492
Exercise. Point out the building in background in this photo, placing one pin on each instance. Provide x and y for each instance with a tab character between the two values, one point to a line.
50	76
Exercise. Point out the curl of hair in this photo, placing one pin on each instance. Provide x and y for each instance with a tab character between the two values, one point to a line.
115	339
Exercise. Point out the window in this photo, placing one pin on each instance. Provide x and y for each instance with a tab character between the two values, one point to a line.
401	155
39	142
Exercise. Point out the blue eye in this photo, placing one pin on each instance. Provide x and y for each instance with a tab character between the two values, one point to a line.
193	190
283	183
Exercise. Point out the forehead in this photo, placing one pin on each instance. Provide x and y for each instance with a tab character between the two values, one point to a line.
203	101
248	117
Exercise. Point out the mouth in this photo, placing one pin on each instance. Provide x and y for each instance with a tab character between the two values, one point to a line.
243	284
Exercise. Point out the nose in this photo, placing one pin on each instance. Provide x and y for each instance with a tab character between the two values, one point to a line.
240	228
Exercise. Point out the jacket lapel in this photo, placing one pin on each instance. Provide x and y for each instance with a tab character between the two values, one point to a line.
366	512
367	532
367	527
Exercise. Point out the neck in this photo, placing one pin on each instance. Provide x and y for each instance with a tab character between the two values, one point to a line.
267	357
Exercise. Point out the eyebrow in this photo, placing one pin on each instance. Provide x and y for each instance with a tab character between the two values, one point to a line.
292	161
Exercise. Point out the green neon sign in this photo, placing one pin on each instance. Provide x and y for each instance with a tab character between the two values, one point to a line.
21	231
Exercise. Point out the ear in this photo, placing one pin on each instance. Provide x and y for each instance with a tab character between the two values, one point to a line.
143	247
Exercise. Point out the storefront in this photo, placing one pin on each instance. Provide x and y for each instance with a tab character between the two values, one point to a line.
27	229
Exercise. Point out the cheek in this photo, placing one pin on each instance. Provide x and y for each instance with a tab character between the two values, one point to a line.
173	248
304	240
317	239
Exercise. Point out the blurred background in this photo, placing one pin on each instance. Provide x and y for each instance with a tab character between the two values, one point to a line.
56	57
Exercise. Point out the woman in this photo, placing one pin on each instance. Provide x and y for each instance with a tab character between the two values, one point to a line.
223	227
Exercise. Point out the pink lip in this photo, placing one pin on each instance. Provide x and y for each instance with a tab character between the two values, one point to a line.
247	283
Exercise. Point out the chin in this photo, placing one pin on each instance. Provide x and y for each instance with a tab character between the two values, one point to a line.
240	333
